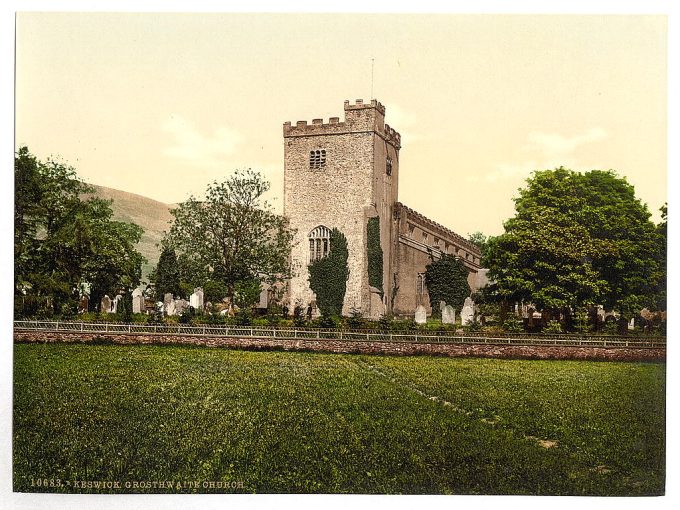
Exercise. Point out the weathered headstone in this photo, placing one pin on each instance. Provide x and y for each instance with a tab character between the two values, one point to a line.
467	314
116	301
421	315
448	315
167	298
196	299
181	305
631	324
83	304
138	305
105	305
171	308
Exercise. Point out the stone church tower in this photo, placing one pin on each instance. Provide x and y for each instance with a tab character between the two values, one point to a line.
338	175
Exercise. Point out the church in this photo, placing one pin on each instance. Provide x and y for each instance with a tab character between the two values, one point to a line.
345	175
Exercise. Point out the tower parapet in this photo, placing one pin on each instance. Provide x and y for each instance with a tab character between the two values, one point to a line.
360	117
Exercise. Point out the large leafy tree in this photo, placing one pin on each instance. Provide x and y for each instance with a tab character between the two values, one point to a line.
63	240
328	276
576	240
446	280
233	235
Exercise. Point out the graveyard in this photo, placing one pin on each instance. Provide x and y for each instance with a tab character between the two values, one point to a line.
275	422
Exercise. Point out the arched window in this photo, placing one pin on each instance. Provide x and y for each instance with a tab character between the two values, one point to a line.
319	243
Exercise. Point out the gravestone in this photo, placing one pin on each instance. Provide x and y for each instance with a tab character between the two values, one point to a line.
83	304
448	315
116	300
171	307
138	305
196	299
181	305
467	314
105	305
167	298
421	315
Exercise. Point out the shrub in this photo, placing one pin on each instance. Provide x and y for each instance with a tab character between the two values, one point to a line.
260	322
355	320
514	326
385	322
553	327
243	318
326	322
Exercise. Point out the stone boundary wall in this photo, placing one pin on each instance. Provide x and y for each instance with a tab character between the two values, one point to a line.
354	347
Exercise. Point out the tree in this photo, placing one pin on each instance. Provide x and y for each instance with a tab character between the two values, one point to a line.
328	276
575	240
247	293
166	274
659	301
232	235
480	240
446	280
62	240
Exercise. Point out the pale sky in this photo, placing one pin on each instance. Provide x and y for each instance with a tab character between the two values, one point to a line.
163	104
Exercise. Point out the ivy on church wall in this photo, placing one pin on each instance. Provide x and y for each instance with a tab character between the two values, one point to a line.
328	276
375	254
446	280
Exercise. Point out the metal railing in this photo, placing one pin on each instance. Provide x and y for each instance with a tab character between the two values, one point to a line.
440	337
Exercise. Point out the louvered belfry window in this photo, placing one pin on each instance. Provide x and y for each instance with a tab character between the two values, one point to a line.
317	159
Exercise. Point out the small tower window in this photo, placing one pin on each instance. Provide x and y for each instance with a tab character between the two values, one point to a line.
388	166
317	159
411	228
319	243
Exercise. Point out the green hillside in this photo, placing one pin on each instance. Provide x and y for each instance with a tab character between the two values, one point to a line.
153	216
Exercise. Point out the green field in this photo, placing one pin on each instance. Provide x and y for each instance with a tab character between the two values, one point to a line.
271	422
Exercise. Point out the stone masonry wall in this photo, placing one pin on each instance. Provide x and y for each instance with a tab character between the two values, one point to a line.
343	194
338	346
334	196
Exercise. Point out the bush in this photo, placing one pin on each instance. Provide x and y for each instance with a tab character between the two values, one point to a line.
243	318
68	311
553	327
515	326
385	322
355	320
404	325
261	322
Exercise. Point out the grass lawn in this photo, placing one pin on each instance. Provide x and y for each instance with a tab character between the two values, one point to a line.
272	422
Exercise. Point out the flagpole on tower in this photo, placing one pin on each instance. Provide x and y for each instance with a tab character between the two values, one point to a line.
372	63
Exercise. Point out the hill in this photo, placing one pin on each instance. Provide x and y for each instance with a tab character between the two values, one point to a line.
153	216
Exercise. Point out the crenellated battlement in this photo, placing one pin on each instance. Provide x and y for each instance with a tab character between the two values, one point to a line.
360	105
392	135
360	117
